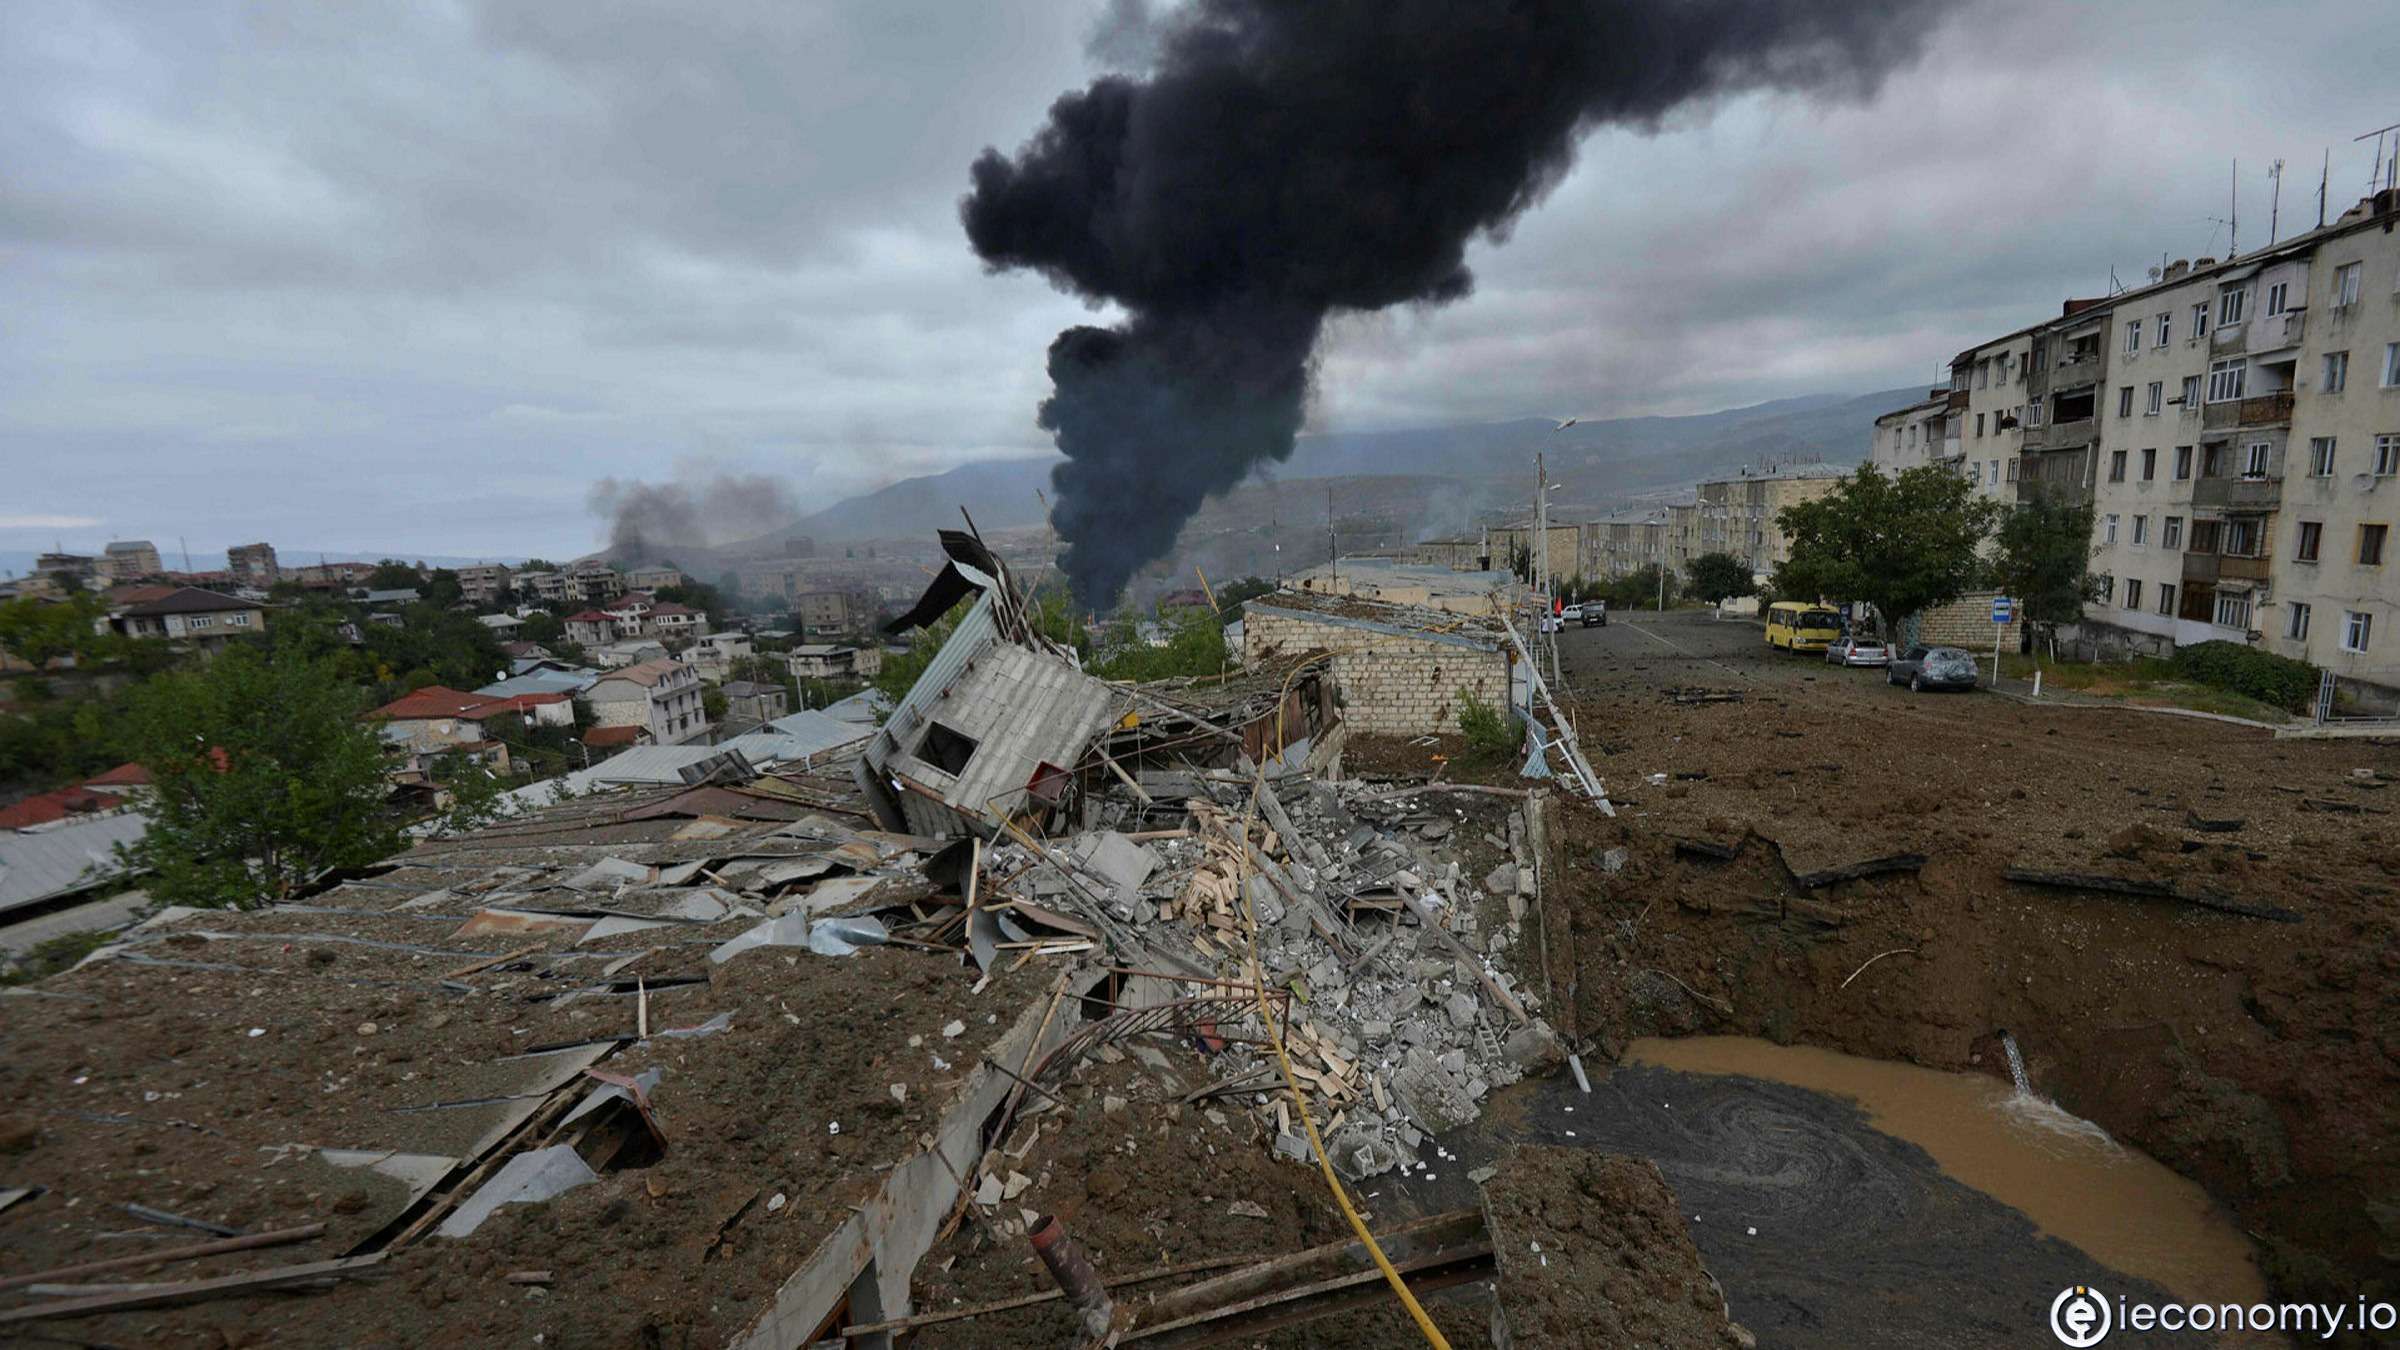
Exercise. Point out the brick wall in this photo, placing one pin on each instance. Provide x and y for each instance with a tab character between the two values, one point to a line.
1388	683
1967	622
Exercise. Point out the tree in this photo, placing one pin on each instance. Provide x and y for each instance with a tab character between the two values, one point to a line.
1641	588
262	779
475	795
1520	560
442	588
1231	595
1902	544
2045	560
393	575
1719	577
38	632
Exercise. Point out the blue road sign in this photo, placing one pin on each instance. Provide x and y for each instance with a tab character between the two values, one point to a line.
2003	609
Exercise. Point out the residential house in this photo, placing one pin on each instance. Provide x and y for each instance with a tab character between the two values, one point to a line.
750	702
628	652
662	697
82	568
394	598
131	560
591	628
715	653
545	586
341	576
678	624
542	677
187	614
828	661
253	564
590	582
630	613
503	626
483	583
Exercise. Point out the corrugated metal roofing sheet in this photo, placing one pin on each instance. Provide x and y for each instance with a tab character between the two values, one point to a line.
37	865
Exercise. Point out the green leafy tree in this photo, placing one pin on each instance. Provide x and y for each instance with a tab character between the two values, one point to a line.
1641	588
262	779
393	575
1195	646
38	632
475	795
443	589
2045	557
1719	577
1232	594
1520	560
1901	543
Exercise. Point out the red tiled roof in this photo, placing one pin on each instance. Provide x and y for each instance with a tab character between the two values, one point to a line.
590	616
50	806
124	775
667	607
514	703
627	735
431	701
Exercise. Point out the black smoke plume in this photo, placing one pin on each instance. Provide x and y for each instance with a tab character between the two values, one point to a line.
652	523
1283	159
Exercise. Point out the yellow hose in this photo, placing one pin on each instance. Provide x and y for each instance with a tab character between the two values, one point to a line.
1341	1196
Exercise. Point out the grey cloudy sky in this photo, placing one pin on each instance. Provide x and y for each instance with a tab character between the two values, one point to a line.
361	275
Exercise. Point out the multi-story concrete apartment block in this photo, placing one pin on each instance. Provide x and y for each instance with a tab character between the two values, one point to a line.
1988	392
131	560
594	581
483	583
545	586
2235	426
2334	574
1738	515
253	564
653	578
1921	433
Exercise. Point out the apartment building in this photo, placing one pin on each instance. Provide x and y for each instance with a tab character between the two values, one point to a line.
1987	396
653	578
594	581
253	564
548	586
1921	433
131	560
1624	544
482	584
1738	515
2235	425
660	697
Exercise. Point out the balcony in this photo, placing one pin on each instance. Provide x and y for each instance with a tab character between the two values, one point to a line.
2238	494
2260	410
2200	569
2233	568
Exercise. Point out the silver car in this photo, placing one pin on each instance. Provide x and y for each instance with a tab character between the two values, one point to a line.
1857	651
1923	668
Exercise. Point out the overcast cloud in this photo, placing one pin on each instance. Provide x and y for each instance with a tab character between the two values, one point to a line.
415	277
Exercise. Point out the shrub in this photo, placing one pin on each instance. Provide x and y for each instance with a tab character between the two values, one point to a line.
1489	730
2277	680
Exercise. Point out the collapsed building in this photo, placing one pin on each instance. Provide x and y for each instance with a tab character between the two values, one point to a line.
720	1060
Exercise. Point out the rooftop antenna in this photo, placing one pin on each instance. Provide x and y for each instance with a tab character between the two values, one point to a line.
2324	177
2275	206
2376	176
2233	223
186	550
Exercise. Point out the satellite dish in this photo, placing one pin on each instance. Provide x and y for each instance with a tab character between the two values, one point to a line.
2156	272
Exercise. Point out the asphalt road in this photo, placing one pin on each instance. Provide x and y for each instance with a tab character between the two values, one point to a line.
1687	648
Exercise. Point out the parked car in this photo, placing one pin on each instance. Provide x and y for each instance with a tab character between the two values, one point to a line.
1923	668
1595	614
1857	651
1571	614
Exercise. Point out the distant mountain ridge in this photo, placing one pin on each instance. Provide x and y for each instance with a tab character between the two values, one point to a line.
1605	460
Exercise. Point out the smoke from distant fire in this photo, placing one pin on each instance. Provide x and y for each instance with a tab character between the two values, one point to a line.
1281	160
649	522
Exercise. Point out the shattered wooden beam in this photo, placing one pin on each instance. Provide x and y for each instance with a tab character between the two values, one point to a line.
1872	867
196	1250
2147	890
187	1291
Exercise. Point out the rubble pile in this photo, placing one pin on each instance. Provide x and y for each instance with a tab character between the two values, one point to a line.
1366	916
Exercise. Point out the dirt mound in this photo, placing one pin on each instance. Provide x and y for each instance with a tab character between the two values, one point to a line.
1593	1251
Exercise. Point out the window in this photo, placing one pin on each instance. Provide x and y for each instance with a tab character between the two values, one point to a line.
1979	424
1994	477
2320	456
2387	455
2212	460
2116	466
2141	531
946	749
2166	324
2200	320
2275	298
2191	393
2204	535
1983	374
2345	284
2370	544
2256	459
2150	461
2166	598
2183	462
2157	401
2241	537
2337	372
2108	528
2227	379
238	620
2357	627
2133	593
2231	305
2170	532
2233	611
2012	471
2312	537
2125	400
2033	414
2133	337
2295	622
2107	586
201	621
2391	365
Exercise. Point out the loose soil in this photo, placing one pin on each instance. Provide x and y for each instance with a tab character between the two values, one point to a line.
2260	1059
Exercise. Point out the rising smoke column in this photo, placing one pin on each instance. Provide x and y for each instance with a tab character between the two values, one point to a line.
652	522
1283	159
